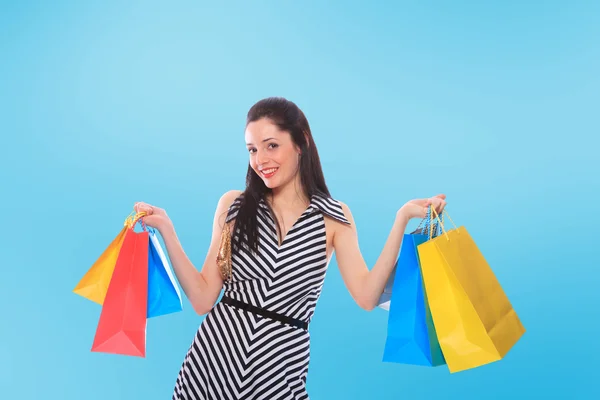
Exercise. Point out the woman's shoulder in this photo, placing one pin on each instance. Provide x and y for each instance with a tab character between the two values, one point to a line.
229	203
230	197
345	209
334	208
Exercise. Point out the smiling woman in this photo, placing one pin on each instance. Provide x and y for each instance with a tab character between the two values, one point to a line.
285	227
277	155
284	164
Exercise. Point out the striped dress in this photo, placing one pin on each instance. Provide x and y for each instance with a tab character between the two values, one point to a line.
237	354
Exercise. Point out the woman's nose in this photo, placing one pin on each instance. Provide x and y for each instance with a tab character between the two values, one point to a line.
261	157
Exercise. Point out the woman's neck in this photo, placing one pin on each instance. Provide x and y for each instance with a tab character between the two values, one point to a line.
289	195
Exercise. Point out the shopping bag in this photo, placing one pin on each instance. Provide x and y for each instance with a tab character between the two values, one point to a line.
411	336
94	284
163	293
122	325
386	296
474	320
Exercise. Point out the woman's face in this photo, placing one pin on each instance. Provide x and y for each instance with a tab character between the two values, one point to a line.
273	154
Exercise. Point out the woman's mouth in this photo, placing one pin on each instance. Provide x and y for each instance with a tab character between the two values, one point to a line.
269	172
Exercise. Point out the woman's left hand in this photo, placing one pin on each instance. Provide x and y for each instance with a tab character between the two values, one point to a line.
418	208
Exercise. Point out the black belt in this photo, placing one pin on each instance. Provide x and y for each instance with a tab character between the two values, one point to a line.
265	313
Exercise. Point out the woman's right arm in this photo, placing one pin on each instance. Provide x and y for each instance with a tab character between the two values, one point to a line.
203	287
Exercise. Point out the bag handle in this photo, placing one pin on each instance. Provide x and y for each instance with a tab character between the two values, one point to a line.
428	225
224	254
134	218
441	222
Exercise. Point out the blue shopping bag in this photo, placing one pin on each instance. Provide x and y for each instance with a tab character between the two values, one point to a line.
386	297
164	296
411	337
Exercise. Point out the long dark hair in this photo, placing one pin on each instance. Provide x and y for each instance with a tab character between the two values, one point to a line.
289	118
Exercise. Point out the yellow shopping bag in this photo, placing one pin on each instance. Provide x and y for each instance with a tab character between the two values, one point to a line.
94	284
474	320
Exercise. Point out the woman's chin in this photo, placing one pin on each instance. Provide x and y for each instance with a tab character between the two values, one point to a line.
270	184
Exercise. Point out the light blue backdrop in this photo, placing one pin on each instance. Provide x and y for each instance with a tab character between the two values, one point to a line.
106	103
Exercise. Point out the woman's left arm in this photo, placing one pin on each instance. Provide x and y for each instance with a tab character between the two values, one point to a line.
366	286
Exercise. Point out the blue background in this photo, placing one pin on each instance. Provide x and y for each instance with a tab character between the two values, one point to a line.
106	103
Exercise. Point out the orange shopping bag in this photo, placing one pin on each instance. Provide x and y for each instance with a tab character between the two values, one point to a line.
94	284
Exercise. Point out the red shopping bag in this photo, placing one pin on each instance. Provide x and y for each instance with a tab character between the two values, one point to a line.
122	325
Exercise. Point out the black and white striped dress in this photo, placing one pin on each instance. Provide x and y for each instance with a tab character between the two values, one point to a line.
237	354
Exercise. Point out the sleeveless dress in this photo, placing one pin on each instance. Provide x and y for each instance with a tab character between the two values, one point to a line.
237	354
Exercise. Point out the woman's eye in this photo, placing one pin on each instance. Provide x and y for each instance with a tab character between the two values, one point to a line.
251	150
272	145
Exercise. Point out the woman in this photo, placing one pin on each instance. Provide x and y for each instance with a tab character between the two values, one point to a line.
255	344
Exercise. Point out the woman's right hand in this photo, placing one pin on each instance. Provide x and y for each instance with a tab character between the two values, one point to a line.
155	217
